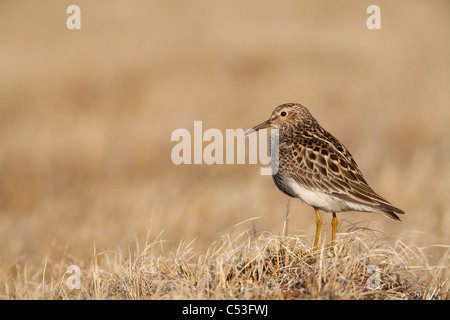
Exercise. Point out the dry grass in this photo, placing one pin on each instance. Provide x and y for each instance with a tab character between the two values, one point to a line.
85	124
261	267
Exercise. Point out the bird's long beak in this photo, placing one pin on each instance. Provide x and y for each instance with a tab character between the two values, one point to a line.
265	124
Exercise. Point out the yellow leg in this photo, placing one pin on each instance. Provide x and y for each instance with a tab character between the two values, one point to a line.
318	227
334	223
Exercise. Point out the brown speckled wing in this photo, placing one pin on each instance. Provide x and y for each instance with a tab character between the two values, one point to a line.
319	162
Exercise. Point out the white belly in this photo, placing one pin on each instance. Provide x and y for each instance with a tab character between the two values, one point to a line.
323	200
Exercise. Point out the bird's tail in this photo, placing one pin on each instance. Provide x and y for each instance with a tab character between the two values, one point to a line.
390	211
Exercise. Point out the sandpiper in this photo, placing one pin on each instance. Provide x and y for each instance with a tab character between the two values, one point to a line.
315	167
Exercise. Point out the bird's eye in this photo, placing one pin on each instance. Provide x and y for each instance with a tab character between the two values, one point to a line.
283	113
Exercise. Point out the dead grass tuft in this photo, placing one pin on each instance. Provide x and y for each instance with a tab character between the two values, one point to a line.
361	266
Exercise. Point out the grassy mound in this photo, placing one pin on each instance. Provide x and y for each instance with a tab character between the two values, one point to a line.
362	265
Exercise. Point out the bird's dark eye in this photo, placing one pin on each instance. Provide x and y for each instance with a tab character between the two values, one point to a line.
283	113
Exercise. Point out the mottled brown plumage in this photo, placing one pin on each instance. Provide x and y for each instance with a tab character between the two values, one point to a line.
312	165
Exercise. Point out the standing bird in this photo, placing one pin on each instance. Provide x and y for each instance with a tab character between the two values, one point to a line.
312	165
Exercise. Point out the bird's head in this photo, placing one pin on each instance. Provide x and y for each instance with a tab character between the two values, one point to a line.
285	116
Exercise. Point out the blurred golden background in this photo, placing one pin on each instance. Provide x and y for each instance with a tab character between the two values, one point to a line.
86	117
